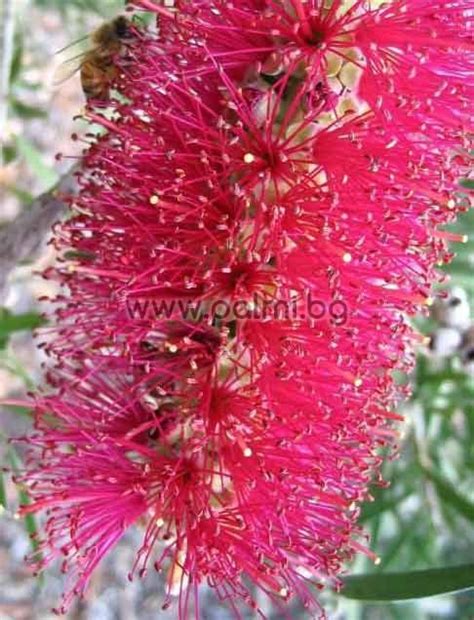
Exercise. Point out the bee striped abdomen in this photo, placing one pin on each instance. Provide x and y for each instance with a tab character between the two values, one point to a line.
97	77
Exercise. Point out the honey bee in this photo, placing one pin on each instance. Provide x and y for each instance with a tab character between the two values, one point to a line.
97	65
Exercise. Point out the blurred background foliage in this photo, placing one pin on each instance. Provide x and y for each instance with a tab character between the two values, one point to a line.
424	519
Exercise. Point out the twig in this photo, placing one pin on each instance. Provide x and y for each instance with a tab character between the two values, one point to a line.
21	239
7	34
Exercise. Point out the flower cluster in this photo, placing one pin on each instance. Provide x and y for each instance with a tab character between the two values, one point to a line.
253	147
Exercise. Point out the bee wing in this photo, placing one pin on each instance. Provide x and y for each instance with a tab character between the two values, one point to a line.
72	44
67	69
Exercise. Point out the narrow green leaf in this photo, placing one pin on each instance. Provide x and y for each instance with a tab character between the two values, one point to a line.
10	323
3	492
382	504
79	255
26	111
9	152
450	495
29	520
20	410
409	584
17	60
467	183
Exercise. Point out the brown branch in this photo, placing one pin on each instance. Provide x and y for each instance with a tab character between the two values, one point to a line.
21	239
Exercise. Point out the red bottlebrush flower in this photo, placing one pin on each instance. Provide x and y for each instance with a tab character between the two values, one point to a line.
91	497
251	232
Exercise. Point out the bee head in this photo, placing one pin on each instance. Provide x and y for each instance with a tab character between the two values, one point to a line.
122	27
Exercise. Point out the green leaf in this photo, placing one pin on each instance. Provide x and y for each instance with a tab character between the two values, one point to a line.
79	255
467	183
17	60
409	584
26	111
29	520
3	492
450	495
382	503
20	409
10	323
9	153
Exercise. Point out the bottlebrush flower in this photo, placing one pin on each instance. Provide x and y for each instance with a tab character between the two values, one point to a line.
262	153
